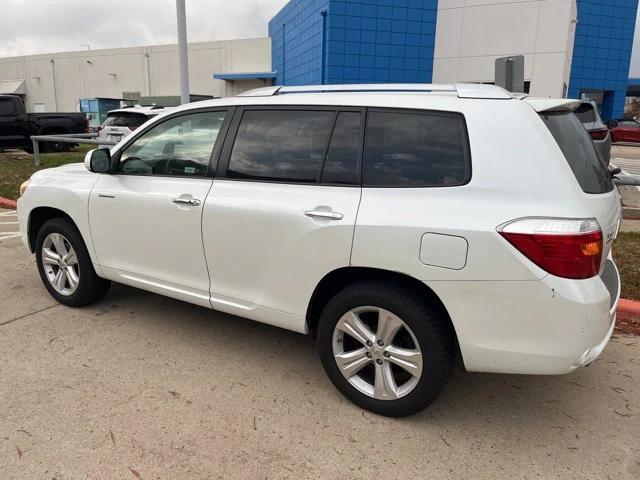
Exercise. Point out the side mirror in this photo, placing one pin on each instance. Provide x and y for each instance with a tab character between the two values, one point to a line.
98	160
612	124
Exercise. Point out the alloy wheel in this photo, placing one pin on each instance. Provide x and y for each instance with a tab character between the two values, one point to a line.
60	264
377	353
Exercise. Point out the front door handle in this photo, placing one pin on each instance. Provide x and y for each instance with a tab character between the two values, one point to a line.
187	201
324	213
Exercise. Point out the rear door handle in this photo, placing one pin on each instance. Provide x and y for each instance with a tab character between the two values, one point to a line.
328	214
187	201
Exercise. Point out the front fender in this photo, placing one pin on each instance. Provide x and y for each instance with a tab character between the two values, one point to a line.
66	189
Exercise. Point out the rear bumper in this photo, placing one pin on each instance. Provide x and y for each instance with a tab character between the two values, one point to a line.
550	326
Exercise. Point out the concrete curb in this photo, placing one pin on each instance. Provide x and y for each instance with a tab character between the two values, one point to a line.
630	213
628	310
8	203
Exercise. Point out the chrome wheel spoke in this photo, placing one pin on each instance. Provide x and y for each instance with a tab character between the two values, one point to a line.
72	277
58	243
388	326
71	258
352	362
385	387
49	257
351	324
60	280
409	360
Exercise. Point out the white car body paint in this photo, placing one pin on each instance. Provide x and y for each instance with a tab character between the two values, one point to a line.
250	250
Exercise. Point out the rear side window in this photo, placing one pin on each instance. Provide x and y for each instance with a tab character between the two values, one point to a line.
280	145
129	120
406	149
577	147
586	113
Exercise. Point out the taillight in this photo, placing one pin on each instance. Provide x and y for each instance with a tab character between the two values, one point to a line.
599	134
563	247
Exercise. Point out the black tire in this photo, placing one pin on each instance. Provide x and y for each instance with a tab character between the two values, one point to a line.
431	330
91	288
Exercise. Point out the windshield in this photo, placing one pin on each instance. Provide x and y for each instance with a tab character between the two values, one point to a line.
125	119
586	113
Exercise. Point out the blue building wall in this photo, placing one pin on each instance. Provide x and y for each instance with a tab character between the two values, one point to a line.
602	51
353	41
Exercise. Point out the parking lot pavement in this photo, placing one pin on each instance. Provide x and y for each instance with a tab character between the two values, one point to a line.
627	157
8	224
142	386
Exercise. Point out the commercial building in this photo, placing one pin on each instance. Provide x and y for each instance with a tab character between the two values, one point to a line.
571	48
57	81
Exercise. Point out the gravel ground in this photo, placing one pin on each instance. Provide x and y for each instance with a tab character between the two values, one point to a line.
145	387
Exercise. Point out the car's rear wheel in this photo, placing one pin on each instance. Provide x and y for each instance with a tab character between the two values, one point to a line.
65	266
385	348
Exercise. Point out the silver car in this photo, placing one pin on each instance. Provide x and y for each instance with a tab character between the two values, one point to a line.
598	130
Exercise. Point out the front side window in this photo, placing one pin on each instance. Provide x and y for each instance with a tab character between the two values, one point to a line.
280	145
180	146
415	150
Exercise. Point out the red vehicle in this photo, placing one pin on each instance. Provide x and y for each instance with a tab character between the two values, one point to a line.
625	130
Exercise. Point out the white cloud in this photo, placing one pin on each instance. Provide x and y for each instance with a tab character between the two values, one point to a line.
43	26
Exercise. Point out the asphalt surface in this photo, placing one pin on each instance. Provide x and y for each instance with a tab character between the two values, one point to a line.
144	387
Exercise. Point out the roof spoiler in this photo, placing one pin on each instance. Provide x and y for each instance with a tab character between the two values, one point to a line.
541	104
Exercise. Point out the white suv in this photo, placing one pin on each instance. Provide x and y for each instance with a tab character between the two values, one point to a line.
399	224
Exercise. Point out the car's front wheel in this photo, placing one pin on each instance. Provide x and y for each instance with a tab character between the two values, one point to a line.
385	348
65	266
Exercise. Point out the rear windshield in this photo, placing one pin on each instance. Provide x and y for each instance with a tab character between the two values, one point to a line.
125	119
577	147
586	113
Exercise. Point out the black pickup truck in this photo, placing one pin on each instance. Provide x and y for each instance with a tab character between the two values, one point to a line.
17	126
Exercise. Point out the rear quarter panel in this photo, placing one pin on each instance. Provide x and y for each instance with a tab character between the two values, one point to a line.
517	171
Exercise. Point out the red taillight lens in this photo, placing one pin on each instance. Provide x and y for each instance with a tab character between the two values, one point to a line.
564	248
598	134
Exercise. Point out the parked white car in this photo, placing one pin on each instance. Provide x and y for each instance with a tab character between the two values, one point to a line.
398	224
120	123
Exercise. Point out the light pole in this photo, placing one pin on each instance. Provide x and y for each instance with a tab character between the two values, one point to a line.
183	52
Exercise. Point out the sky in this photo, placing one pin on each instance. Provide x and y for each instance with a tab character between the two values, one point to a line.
46	26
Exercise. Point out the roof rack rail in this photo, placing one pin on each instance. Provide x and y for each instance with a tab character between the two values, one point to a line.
463	90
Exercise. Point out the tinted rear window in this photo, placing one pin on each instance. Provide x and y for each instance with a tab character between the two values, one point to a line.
586	113
407	149
577	147
130	120
280	145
